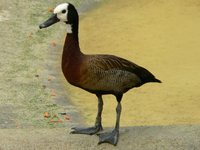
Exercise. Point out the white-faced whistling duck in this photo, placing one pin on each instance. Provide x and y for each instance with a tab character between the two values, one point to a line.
97	74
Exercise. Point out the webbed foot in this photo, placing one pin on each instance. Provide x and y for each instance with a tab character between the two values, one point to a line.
88	131
109	137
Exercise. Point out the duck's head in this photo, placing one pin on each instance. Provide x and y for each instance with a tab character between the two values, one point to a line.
65	12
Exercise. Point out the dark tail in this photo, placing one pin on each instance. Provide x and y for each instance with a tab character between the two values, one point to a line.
146	76
156	80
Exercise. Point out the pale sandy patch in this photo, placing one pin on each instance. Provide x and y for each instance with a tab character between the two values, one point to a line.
4	15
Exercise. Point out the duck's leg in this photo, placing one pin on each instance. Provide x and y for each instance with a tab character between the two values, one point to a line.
97	127
112	137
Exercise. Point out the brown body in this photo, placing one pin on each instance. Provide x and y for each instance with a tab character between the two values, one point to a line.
101	74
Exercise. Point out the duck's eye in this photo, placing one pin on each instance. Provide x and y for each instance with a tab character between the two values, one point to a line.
63	11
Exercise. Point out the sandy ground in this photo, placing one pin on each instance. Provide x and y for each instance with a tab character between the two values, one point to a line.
162	36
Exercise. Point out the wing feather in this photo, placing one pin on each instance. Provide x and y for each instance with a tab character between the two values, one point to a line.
110	62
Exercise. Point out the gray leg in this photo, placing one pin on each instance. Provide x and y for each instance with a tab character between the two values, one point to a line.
99	113
97	127
118	111
112	137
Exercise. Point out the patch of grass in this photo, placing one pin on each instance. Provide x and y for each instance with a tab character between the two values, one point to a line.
23	56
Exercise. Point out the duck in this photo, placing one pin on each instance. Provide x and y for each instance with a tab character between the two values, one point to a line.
99	74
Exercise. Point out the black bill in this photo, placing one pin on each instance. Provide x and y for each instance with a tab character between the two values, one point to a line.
52	20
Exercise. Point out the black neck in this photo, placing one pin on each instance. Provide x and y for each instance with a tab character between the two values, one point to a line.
73	20
74	33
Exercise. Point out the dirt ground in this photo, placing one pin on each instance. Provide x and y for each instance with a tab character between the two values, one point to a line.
162	36
131	138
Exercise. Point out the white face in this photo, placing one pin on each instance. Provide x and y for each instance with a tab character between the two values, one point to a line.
61	11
